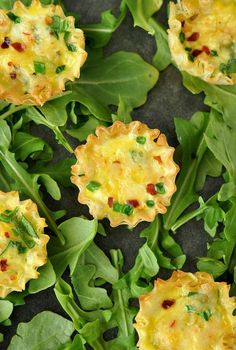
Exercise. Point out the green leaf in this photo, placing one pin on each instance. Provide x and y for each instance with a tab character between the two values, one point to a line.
227	191
78	234
6	308
22	181
60	171
46	330
50	185
47	278
142	11
99	34
162	57
5	135
220	97
123	112
82	132
215	267
222	142
122	75
26	145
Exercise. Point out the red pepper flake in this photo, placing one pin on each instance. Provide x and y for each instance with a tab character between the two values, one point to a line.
193	37
3	265
206	50
7	234
173	324
167	304
10	64
116	162
13	277
25	33
13	75
182	24
6	43
158	158
196	53
110	201
151	189
18	47
133	203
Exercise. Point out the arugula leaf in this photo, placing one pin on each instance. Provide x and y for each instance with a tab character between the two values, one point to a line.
99	34
162	57
46	279
122	75
81	133
46	330
6	308
220	97
78	234
142	11
26	145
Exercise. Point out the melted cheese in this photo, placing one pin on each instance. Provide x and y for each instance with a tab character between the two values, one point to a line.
17	266
19	82
124	168
209	56
187	312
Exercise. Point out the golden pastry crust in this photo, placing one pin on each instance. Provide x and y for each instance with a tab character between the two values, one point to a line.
22	246
188	311
202	39
40	49
125	173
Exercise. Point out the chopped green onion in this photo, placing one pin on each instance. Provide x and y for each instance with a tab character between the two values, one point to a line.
71	47
93	186
8	215
123	208
60	69
39	67
189	49
150	203
59	25
206	314
214	53
28	227
190	308
137	157
190	294
13	17
160	187
81	175
191	57
21	249
182	37
141	139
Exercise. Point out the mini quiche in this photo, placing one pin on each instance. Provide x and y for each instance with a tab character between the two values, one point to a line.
126	173
188	311
40	49
202	39
22	242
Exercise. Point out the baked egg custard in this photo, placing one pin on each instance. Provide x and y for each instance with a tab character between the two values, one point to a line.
126	173
187	312
22	242
202	39
40	49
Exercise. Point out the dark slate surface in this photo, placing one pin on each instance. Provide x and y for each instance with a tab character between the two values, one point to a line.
166	101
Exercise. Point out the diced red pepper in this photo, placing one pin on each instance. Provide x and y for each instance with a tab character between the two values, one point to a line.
193	37
196	52
206	50
133	202
6	43
18	47
13	75
7	234
151	189
167	303
158	158
3	265
110	201
173	324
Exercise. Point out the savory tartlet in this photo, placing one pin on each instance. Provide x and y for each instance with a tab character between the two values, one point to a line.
126	173
22	242
202	38
188	311
40	49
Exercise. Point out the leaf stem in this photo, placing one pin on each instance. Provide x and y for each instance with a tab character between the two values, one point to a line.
13	109
187	217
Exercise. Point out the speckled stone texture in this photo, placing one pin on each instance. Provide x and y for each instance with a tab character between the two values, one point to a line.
167	100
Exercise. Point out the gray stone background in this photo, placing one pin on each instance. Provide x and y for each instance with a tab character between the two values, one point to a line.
167	100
